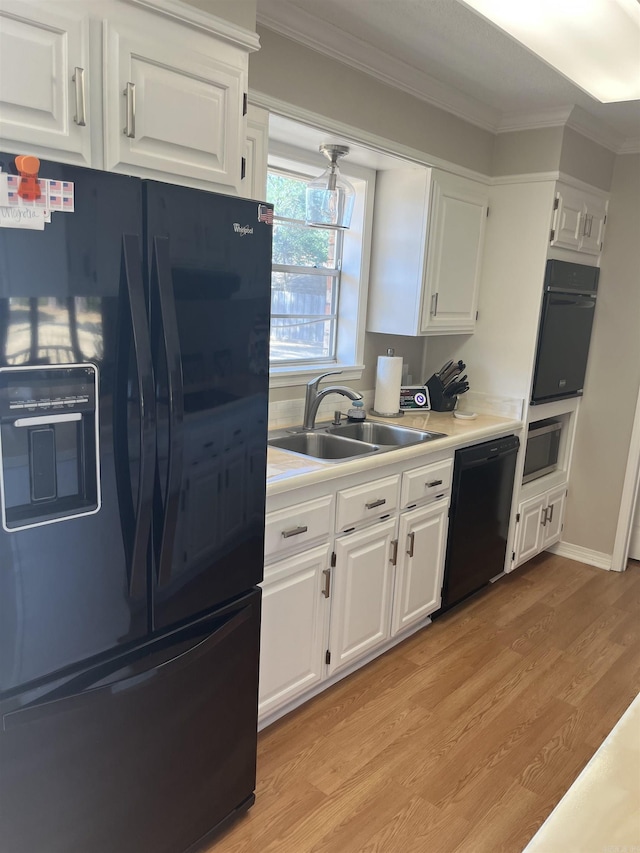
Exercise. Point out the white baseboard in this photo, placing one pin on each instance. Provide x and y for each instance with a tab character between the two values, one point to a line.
583	555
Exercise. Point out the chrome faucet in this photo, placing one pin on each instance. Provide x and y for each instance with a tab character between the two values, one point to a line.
314	397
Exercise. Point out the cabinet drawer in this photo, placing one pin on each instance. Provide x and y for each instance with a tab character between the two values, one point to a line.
368	501
424	484
295	526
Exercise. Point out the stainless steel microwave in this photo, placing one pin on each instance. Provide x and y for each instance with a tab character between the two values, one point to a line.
543	445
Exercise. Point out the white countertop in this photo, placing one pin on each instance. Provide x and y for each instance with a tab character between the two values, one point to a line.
286	471
600	812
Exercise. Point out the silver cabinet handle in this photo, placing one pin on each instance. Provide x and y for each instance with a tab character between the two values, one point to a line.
588	222
412	539
433	483
550	519
326	591
434	304
130	94
393	559
80	117
543	522
294	531
374	504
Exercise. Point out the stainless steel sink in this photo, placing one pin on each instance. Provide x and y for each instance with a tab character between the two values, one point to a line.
388	435
322	445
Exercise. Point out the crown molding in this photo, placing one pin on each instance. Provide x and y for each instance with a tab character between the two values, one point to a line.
296	24
185	14
525	178
584	123
631	145
557	117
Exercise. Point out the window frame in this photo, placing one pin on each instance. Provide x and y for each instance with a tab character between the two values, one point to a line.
354	272
335	272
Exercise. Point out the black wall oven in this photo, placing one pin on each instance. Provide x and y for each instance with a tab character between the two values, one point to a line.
564	333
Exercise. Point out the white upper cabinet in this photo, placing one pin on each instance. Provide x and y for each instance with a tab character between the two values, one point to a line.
171	107
166	99
254	183
44	77
579	220
428	236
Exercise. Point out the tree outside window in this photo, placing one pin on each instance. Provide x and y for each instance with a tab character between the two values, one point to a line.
305	277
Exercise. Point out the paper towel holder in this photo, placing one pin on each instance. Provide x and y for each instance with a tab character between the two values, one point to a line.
398	414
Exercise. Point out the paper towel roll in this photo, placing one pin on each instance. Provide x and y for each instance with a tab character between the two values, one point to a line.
388	381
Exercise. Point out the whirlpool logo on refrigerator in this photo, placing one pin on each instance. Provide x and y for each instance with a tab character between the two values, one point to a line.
242	230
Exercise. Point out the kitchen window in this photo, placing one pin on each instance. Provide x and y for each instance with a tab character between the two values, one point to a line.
319	275
305	278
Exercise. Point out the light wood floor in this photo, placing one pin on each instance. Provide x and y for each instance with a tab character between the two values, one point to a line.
465	736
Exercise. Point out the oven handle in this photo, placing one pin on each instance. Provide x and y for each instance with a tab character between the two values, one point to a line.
142	351
38	420
161	277
570	299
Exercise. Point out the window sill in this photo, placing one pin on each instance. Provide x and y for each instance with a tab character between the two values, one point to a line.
286	376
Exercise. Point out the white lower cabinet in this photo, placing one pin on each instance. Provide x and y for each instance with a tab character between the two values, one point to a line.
422	537
340	583
539	523
362	581
293	627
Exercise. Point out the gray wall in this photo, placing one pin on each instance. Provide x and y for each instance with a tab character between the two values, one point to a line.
613	375
302	77
525	152
586	160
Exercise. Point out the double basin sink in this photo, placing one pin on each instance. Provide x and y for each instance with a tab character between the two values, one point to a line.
341	442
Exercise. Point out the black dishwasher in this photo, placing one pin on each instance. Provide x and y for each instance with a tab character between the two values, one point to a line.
479	517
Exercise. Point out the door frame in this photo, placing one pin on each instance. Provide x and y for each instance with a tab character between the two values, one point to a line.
629	498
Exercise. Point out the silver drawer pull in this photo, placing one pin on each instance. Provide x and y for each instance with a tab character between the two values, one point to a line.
412	538
130	95
433	483
80	117
374	504
326	590
294	531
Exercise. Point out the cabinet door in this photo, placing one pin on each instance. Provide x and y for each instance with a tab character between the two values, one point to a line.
567	221
553	516
579	220
458	216
254	183
529	531
43	110
421	548
293	628
172	110
595	216
361	594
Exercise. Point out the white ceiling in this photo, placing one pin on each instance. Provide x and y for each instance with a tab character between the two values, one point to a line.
446	54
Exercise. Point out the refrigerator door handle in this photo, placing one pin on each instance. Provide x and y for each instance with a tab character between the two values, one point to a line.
161	274
121	678
132	264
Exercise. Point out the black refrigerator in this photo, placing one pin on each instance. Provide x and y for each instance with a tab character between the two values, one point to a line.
133	416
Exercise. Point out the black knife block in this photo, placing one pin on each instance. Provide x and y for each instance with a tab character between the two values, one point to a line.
439	403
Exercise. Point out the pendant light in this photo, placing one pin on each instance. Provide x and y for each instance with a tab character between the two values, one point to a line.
329	196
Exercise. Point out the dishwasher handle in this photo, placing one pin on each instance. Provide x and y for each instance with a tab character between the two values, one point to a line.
481	454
